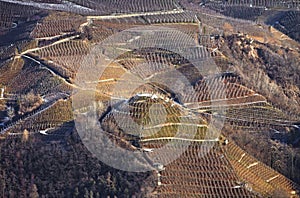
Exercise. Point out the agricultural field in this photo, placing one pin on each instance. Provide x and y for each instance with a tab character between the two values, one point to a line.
201	98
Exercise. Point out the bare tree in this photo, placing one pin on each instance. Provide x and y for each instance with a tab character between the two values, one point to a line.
10	113
29	102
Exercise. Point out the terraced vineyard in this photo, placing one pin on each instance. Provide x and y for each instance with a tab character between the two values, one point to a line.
185	178
289	24
182	124
260	3
10	13
186	81
260	177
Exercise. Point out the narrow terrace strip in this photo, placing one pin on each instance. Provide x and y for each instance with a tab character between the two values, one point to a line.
176	138
175	124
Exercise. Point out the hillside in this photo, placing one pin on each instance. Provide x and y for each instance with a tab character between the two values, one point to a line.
139	98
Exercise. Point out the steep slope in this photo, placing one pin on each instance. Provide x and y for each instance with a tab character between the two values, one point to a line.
255	88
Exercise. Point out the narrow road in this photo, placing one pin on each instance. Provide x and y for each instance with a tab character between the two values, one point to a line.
66	6
55	43
135	14
54	73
